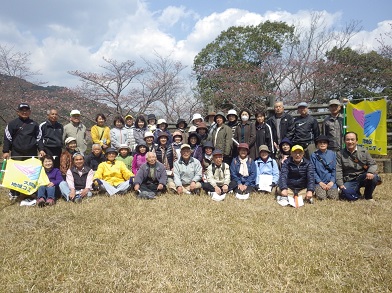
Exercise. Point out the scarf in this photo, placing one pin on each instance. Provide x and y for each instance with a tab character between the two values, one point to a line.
244	167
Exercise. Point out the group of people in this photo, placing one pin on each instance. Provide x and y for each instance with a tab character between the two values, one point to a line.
219	153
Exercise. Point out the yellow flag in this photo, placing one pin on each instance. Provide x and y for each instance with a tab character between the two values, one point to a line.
368	119
25	176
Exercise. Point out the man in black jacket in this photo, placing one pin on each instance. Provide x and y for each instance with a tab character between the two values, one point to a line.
281	123
20	138
305	130
51	142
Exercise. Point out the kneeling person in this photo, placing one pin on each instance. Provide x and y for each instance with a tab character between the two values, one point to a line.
113	176
218	176
151	178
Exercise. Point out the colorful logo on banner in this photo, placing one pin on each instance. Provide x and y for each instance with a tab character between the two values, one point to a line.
24	176
369	120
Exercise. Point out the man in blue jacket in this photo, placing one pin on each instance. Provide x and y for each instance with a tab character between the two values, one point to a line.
297	176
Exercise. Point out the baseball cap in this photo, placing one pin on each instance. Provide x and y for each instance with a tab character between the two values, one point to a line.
297	147
334	102
23	105
128	116
302	104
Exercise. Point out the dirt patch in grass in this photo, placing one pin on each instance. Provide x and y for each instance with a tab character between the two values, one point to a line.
191	243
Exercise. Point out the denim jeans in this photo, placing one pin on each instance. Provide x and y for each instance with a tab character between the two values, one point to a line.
361	181
46	192
65	190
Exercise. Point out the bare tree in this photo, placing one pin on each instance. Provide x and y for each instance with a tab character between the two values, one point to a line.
385	43
111	86
14	63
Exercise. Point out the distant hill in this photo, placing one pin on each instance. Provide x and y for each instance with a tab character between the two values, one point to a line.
14	90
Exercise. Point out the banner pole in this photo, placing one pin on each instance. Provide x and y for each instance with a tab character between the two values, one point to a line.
3	169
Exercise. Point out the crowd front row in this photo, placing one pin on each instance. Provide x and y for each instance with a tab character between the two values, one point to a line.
291	177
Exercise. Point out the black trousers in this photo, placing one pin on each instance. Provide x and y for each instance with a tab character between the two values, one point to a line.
208	187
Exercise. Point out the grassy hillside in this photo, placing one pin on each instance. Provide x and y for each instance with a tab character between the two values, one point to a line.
192	244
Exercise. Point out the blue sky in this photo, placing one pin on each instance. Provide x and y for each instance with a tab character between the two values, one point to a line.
74	34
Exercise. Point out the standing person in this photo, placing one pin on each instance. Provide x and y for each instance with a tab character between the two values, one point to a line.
208	149
264	135
324	162
196	119
79	180
149	140
245	132
164	152
129	128
151	122
243	172
66	155
140	129
202	131
51	141
284	151
151	178
187	173
118	134
209	121
218	181
77	130
162	127
176	145
281	124
100	133
181	127
296	177
232	120
112	175
332	126
95	158
196	148
305	130
46	195
21	135
355	168
222	136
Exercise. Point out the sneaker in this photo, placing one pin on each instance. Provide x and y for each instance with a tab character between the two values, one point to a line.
41	202
12	196
50	201
282	200
310	200
146	195
28	202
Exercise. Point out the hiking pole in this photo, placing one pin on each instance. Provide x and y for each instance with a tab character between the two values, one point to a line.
345	101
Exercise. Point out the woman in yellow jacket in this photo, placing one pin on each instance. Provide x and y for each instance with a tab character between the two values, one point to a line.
100	132
113	176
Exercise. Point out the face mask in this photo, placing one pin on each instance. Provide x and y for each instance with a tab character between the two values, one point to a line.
244	118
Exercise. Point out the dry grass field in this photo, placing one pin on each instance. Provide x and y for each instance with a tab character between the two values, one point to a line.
192	244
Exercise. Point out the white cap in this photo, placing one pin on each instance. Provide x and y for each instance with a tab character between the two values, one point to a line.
148	134
69	139
74	112
197	116
232	112
160	121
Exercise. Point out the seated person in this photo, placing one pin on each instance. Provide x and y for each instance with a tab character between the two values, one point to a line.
66	155
124	155
46	195
265	165
355	168
296	177
78	180
187	173
113	176
243	172
324	162
96	157
151	177
218	181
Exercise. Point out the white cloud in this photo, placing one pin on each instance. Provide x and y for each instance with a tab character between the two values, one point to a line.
366	41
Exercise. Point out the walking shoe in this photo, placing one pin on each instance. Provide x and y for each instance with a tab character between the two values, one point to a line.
146	195
41	202
28	202
50	201
12	196
310	200
78	199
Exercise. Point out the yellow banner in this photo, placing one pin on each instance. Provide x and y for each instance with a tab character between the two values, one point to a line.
369	120
24	176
